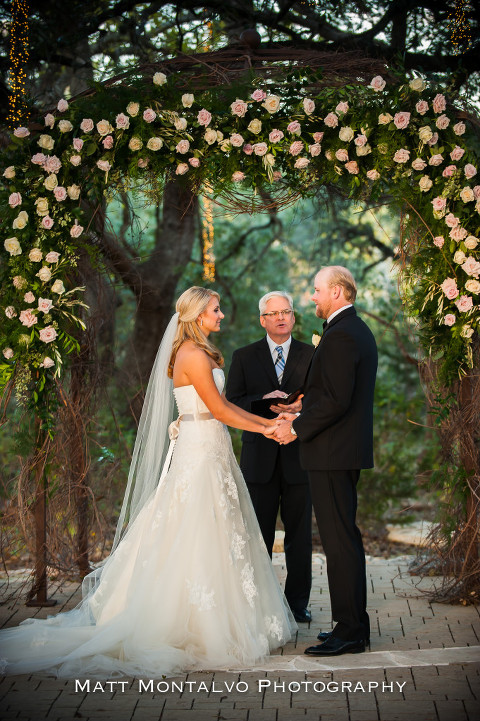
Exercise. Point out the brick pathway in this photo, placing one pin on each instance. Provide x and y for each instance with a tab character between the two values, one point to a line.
423	665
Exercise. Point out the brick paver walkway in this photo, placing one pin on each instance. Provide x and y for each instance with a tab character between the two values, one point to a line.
423	665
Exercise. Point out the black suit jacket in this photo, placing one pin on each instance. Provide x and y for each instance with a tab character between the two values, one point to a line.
335	426
252	374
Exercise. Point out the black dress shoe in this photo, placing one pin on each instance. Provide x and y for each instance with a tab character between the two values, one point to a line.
335	647
303	616
323	635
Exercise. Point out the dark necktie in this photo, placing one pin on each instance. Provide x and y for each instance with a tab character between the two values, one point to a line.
279	363
325	323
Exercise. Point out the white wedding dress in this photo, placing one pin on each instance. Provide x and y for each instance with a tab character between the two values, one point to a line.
189	587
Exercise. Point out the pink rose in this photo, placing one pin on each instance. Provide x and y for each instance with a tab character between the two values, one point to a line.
352	167
457	153
62	105
341	155
401	120
258	96
421	107
301	163
194	162
318	137
78	144
204	117
75	159
439	203
239	107
469	170
48	334
183	146
181	169
294	127
21	132
44	304
52	164
39	159
464	303
449	287
28	318
442	122
107	142
296	147
260	148
149	115
360	140
315	149
47	362
471	266
60	193
373	174
436	159
87	125
439	103
14	200
142	162
52	257
238	176
433	140
439	241
451	220
236	140
47	222
476	192
459	128
49	120
331	120
29	297
449	319
248	149
277	175
103	165
308	106
377	83
458	233
275	135
419	164
76	230
402	155
449	171
342	107
122	121
8	353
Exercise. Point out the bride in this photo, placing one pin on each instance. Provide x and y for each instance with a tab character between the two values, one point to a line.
189	584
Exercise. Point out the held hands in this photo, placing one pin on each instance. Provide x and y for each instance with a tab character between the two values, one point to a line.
283	434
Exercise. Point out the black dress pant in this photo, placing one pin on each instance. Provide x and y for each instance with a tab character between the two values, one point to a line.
334	498
296	514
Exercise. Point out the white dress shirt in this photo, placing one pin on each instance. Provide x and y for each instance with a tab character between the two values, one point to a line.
340	310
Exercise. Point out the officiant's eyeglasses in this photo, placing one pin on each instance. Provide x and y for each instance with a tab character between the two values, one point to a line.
276	313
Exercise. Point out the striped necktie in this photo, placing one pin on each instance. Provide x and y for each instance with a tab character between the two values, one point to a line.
279	363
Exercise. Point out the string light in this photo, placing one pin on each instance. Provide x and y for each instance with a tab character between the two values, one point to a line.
207	237
459	25
18	112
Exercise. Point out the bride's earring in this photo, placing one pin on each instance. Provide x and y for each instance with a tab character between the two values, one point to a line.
201	321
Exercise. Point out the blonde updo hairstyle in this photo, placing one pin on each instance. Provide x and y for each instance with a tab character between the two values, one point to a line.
192	303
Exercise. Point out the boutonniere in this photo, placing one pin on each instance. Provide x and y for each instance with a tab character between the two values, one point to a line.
316	337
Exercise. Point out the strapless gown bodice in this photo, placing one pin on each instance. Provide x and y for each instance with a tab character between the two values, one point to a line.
189	402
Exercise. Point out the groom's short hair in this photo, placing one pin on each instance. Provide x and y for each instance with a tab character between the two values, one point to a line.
262	303
339	275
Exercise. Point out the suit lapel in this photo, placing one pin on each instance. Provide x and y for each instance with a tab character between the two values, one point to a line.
265	359
344	314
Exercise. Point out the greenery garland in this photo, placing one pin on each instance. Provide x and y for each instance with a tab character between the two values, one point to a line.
402	139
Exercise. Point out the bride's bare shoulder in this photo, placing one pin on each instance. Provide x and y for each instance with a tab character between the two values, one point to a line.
190	354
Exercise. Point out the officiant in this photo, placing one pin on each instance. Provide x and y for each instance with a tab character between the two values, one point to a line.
261	375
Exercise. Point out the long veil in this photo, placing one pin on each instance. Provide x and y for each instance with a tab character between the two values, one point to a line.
150	449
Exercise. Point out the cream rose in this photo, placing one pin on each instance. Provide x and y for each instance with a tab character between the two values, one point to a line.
271	103
104	165
385	118
236	140
183	146
459	128
459	257
467	331
473	286
402	155
21	220
255	126
210	136
35	255
135	143
239	108
10	312
417	84
47	362
8	353
181	169
44	274
65	126
471	242
373	174
154	143
425	183
87	125
342	155
419	164
425	133
75	159
188	100
104	127
12	246
58	287
180	123
301	163
9	172
159	79
467	195
73	192
52	256
133	109
51	182
46	142
346	134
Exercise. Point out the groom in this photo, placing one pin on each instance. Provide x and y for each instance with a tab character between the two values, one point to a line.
335	430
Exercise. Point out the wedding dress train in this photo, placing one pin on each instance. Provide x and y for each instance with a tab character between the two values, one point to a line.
189	587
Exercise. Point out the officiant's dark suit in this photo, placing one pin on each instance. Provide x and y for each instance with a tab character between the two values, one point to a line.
335	429
272	472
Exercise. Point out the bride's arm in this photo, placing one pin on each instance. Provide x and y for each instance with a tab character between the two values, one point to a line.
196	366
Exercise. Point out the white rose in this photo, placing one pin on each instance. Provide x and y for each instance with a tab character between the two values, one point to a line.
346	134
425	133
467	331
9	172
459	257
104	127
210	136
44	274
42	206
65	126
159	79
12	246
425	183
35	255
154	143
73	192
46	142
417	84
20	221
180	123
187	100
50	182
133	109
473	286
58	287
471	242
316	339
255	125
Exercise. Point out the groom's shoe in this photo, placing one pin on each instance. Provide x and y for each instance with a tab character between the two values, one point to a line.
302	616
323	635
335	647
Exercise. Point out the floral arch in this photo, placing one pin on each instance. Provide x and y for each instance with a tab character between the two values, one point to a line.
286	126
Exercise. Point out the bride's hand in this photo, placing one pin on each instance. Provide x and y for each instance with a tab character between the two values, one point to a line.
269	427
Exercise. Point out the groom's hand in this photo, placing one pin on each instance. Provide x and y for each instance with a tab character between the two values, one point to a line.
283	433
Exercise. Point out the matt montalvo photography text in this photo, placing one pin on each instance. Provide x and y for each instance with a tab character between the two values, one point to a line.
261	685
